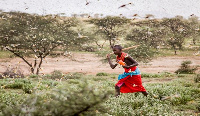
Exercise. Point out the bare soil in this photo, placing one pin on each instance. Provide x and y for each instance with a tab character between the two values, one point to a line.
89	63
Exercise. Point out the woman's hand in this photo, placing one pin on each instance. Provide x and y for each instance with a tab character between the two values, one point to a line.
108	56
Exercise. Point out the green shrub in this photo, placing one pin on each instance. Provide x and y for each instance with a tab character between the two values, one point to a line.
185	68
56	74
197	78
147	75
102	74
113	77
159	75
50	83
8	98
14	85
187	84
89	49
99	79
184	99
69	100
75	75
33	76
27	88
181	75
12	73
198	107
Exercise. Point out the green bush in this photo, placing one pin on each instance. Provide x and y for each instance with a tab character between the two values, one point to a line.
27	88
185	68
198	107
50	83
146	75
75	75
102	74
56	74
198	85
14	85
99	79
143	53
181	75
33	76
23	84
12	73
69	100
197	78
9	99
159	75
184	99
113	77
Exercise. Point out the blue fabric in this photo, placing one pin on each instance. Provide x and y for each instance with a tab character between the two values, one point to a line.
136	72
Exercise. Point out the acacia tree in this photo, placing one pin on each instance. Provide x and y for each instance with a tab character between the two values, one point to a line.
37	36
111	27
177	30
195	25
151	37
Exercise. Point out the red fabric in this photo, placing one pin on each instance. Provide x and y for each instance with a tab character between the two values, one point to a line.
131	83
121	57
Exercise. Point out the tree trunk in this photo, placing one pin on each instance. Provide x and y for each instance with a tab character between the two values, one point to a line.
110	40
175	52
18	55
194	41
39	66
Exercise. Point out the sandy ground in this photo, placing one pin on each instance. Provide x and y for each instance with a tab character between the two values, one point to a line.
90	64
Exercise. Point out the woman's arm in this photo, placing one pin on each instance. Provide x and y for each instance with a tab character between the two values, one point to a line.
109	61
134	63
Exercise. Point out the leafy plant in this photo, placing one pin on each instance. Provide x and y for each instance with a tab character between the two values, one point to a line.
12	72
185	68
197	78
102	74
35	36
56	74
79	99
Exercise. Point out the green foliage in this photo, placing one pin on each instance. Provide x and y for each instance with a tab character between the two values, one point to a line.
147	36
71	100
198	107
56	74
78	96
5	54
178	30
142	53
14	84
99	79
12	72
181	75
185	68
27	88
75	75
102	74
33	76
159	75
110	27
176	94
9	99
197	78
35	36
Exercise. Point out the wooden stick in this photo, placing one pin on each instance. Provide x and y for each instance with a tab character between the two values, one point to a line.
127	48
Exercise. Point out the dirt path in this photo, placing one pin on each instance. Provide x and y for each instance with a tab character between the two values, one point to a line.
90	64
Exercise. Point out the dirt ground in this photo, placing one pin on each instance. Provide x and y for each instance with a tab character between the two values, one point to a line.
90	64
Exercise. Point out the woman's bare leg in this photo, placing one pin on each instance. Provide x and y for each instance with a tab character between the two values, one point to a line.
117	89
144	93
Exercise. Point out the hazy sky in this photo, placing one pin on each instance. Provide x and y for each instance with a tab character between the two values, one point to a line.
159	8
